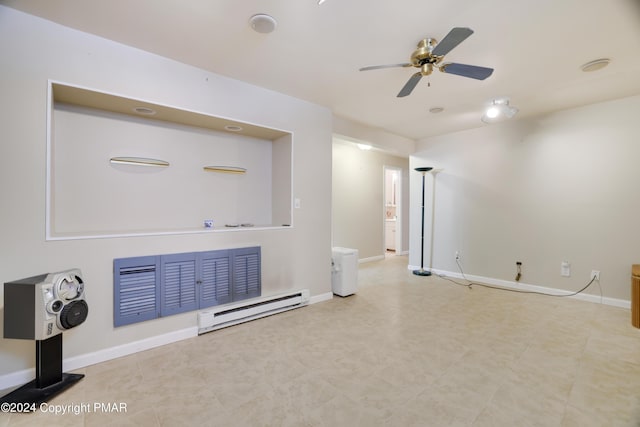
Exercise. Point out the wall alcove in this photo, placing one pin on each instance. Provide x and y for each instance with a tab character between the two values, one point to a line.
118	166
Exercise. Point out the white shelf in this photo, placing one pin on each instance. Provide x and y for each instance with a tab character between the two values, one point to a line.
98	235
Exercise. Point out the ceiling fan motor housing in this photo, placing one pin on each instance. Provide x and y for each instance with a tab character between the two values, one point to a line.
422	55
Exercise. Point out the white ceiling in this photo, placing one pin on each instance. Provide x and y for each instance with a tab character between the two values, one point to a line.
535	46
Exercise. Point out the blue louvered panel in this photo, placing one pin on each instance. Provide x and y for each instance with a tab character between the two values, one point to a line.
135	290
215	278
178	283
149	287
246	273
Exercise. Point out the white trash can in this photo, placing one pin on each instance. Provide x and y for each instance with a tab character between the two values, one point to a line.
344	271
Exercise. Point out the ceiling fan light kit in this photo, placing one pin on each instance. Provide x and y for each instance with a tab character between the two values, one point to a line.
499	110
430	54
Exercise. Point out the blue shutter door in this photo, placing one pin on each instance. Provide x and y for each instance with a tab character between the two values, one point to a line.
246	273
135	291
154	286
178	283
215	278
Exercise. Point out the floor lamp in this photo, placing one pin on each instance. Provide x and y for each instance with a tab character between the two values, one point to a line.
422	271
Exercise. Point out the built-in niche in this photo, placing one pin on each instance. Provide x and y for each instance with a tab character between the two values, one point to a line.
119	166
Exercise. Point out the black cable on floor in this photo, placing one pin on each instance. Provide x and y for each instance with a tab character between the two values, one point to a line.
471	284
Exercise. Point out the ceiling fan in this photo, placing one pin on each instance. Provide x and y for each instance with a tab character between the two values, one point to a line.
430	53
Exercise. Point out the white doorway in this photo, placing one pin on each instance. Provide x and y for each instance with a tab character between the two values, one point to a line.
392	210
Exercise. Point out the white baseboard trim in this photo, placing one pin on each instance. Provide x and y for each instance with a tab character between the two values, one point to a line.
99	356
84	360
535	288
320	298
371	259
18	378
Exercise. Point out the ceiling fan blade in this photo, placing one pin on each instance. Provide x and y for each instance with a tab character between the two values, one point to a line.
472	71
454	38
411	83
377	67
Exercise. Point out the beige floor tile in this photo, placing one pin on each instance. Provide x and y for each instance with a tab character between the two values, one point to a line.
403	351
518	405
574	417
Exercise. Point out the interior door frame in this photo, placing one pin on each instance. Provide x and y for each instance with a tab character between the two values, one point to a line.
399	222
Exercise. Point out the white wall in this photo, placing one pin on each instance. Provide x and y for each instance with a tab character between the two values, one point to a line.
117	199
31	52
357	132
358	198
562	187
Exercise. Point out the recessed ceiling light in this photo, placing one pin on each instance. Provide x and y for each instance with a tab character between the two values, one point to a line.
233	128
364	147
262	23
595	65
145	111
436	110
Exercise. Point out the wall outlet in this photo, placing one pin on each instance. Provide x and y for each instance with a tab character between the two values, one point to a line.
595	274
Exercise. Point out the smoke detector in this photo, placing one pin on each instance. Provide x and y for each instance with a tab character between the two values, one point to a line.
263	23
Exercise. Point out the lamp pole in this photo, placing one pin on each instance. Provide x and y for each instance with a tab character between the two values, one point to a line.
422	271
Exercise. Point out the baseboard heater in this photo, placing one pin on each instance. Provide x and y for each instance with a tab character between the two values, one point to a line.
235	313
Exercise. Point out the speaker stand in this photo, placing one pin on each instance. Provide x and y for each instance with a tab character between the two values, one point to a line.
50	380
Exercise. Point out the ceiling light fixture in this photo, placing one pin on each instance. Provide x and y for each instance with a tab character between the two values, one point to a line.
364	147
262	23
595	65
499	110
321	1
436	110
144	111
233	128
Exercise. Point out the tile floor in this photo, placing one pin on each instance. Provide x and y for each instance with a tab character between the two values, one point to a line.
403	351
